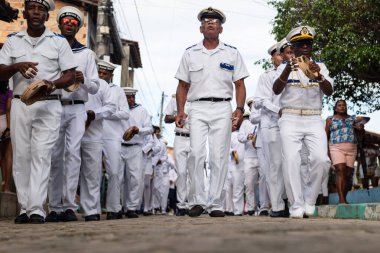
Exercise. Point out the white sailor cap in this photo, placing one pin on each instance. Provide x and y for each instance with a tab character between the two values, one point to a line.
49	4
272	49
284	43
102	64
249	101
212	13
301	33
129	91
72	12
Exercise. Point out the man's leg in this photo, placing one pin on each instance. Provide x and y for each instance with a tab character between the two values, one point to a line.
181	154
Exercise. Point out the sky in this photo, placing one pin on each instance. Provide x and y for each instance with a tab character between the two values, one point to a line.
165	28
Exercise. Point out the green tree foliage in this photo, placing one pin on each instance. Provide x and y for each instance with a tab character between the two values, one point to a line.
348	39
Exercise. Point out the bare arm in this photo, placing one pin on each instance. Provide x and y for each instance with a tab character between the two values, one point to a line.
181	95
67	79
7	71
169	119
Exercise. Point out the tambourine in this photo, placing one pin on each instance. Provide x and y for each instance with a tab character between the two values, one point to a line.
303	63
36	91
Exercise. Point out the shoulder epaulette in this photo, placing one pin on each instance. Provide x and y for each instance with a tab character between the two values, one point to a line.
191	46
12	34
229	46
320	60
59	35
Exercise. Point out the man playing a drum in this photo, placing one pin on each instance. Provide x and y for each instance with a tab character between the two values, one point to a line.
30	55
301	121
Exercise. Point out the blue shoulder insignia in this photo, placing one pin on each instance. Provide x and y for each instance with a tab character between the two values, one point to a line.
191	46
12	34
320	60
229	46
59	35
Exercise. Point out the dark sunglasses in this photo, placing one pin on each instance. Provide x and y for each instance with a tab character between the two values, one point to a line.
301	43
67	21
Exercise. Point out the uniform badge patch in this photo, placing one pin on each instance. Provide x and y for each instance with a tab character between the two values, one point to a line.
226	66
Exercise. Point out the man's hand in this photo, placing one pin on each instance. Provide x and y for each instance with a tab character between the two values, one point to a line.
180	119
314	67
27	69
250	136
237	117
79	76
90	118
51	87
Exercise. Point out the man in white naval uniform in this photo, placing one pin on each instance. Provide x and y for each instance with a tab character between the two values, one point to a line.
35	54
181	154
255	118
150	148
98	107
113	130
132	154
247	132
301	121
206	75
269	103
66	158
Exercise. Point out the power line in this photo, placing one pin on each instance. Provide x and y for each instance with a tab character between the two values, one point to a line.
125	19
146	46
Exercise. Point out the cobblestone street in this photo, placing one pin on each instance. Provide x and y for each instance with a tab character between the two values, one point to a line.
184	234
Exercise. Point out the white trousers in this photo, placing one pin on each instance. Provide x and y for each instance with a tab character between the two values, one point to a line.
112	162
272	148
181	154
237	181
226	195
263	183
66	159
212	121
90	177
165	187
147	195
311	130
157	186
132	166
251	182
34	130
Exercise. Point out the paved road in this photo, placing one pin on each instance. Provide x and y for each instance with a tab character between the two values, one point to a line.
161	234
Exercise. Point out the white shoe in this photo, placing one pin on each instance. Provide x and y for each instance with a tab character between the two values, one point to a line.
309	209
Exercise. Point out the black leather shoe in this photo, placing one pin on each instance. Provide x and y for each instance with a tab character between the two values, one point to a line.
182	212
217	213
69	215
229	213
264	213
22	219
250	213
131	214
196	211
36	219
93	217
278	214
52	217
287	213
119	215
148	213
112	215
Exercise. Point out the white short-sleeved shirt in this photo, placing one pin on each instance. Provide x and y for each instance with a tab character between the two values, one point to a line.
211	73
52	52
300	92
171	109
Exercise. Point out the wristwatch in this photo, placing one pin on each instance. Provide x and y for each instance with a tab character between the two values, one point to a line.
240	108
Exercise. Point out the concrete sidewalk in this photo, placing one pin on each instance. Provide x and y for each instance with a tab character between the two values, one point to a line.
368	211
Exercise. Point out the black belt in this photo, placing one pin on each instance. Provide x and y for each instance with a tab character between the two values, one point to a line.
72	102
128	144
50	97
182	134
214	99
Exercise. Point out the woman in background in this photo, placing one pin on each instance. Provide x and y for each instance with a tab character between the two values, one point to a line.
6	96
342	146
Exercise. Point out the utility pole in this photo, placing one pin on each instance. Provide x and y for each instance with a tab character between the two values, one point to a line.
162	109
103	38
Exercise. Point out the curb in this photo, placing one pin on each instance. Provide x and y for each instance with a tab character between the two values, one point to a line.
369	211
